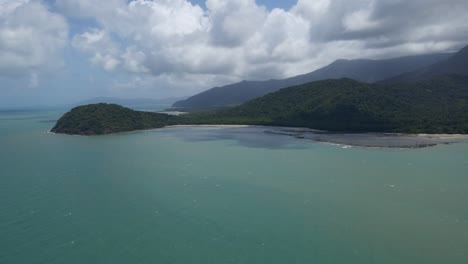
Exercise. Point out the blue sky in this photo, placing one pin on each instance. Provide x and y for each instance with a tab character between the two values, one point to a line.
61	51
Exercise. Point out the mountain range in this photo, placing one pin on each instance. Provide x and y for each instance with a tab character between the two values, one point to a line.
361	70
438	105
455	64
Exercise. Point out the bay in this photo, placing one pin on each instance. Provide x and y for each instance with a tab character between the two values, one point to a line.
224	195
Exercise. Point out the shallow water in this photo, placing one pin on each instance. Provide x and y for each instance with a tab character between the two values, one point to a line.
207	195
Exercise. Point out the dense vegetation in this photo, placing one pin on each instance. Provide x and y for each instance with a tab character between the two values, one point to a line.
362	70
434	106
97	119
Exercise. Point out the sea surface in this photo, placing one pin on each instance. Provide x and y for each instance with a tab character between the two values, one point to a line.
224	195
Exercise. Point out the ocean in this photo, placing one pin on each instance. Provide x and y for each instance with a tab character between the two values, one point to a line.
224	195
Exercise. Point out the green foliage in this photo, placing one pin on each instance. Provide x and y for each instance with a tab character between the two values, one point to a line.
435	106
345	105
97	119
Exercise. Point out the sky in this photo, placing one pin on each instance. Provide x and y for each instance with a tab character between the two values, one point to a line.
56	52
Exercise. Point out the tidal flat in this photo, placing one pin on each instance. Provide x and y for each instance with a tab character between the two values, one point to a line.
373	140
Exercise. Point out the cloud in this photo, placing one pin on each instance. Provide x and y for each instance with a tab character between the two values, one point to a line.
98	43
31	38
385	23
134	60
169	40
231	38
231	22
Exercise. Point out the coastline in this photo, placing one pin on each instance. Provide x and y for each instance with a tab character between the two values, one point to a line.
152	129
367	140
210	126
443	136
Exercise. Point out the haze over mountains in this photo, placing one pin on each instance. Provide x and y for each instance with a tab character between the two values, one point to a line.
361	70
456	64
131	102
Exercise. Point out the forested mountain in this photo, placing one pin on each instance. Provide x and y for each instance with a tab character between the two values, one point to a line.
343	105
455	64
433	106
361	70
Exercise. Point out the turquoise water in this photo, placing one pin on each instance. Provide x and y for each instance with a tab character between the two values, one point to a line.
185	195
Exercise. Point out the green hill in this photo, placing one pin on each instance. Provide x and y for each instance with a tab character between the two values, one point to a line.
434	106
344	105
98	119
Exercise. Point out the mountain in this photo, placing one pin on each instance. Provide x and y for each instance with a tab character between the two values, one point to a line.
361	70
435	106
455	64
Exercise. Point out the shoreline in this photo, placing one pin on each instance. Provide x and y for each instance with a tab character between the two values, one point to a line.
150	129
367	139
289	129
211	126
443	136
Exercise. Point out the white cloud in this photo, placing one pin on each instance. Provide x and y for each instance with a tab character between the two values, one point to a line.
31	37
231	38
312	10
232	22
167	42
134	60
99	44
359	21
